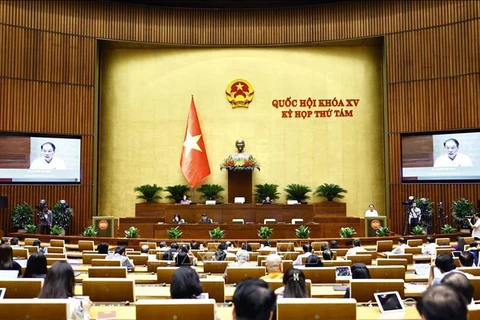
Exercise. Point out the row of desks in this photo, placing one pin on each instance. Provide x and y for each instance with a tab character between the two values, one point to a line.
224	312
161	291
149	278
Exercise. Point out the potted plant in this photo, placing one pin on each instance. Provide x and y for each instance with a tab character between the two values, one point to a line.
266	190
302	232
177	192
90	231
57	231
31	228
211	191
148	192
446	229
216	234
174	233
22	215
347	232
265	232
462	209
297	192
231	164
330	191
418	231
382	232
132	232
61	215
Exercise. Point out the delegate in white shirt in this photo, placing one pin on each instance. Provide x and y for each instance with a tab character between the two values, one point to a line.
369	213
56	163
461	160
476	229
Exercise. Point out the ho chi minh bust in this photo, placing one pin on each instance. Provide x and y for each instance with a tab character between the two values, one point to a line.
240	155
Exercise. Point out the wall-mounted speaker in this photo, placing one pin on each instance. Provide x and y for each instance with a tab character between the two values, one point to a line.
3	202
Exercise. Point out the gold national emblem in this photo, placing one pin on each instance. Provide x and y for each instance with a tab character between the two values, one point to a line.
103	225
375	224
239	93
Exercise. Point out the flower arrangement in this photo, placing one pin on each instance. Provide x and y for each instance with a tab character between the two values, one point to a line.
240	164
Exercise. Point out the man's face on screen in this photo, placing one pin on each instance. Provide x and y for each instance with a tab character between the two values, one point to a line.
48	152
451	149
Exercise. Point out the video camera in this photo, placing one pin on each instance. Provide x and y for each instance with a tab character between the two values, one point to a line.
470	218
63	205
41	205
409	201
441	212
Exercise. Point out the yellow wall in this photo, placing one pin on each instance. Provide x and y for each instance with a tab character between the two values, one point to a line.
145	96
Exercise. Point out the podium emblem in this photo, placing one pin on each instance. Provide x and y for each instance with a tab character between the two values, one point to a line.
103	225
375	224
239	93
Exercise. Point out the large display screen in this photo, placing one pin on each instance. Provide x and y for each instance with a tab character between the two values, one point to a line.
441	156
39	159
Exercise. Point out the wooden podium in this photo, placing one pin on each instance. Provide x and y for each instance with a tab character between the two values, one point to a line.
105	226
240	185
373	223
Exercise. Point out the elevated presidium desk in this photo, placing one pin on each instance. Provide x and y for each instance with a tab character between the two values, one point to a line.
325	219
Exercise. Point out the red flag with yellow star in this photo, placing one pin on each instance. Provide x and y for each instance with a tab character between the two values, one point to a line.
194	160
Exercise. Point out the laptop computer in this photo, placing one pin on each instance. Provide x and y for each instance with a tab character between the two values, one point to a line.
8	274
343	273
21	262
422	269
456	253
389	302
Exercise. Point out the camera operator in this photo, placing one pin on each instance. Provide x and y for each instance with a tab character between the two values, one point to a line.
414	215
475	226
45	216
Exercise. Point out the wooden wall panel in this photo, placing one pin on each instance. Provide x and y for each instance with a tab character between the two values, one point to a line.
47	65
232	26
46	56
78	197
436	192
434	104
34	106
434	53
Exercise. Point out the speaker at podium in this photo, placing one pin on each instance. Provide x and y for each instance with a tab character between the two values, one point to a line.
373	223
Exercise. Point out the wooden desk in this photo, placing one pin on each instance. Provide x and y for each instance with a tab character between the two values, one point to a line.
122	312
416	257
255	213
413	277
225	312
318	291
236	231
83	268
140	278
